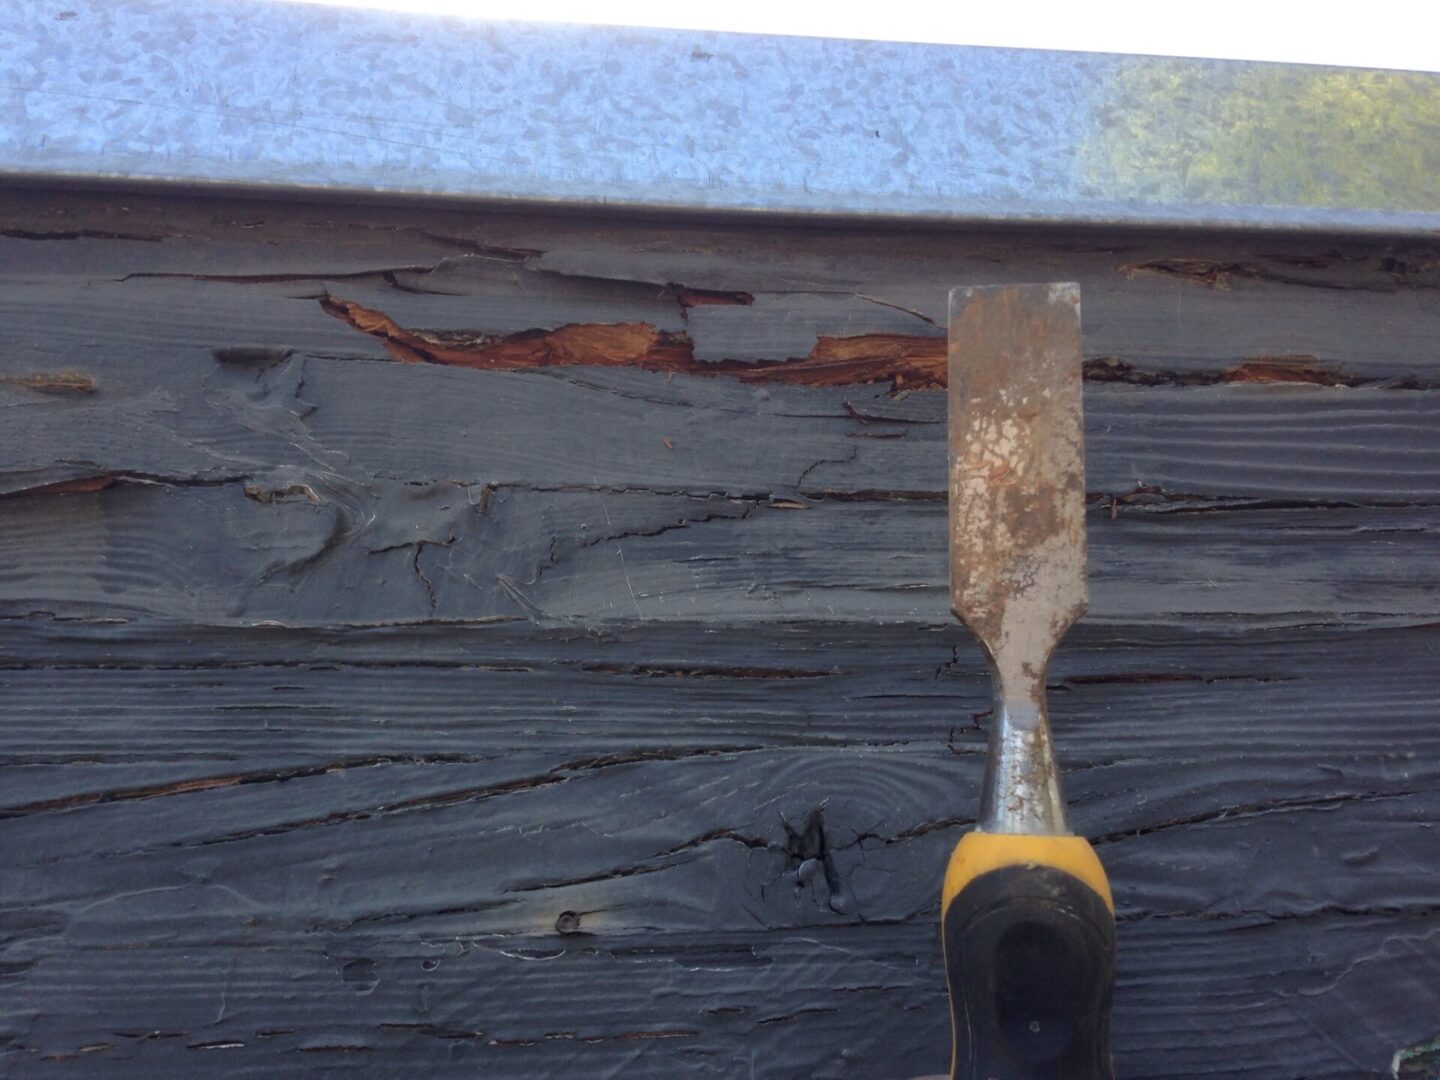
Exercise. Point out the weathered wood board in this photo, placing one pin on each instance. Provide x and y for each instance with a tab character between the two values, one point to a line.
452	643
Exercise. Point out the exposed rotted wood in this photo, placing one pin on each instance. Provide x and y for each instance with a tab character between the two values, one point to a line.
1362	309
51	382
580	696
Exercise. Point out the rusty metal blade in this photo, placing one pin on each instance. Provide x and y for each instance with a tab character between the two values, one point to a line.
1017	514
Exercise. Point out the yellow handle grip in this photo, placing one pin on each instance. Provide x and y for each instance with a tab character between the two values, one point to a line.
978	853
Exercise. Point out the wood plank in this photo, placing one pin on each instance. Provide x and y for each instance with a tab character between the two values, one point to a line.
825	1002
418	764
317	847
191	415
1180	302
308	550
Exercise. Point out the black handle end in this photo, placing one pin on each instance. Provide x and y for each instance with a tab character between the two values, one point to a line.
1030	961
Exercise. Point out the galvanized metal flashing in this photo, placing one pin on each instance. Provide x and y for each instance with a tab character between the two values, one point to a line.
273	97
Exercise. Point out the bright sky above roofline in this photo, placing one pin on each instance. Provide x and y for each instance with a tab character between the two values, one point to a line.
1404	36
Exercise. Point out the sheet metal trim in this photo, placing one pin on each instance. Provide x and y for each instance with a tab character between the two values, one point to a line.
270	97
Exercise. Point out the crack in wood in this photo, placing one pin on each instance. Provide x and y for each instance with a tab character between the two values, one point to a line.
212	783
1322	911
84	234
701	671
1299	369
1395	270
1231	813
99	481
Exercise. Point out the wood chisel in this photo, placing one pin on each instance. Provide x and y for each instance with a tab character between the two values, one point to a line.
1027	918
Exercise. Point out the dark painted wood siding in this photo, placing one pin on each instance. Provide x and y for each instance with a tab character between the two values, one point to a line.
439	643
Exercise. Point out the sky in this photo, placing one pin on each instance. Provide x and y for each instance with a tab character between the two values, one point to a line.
1403	35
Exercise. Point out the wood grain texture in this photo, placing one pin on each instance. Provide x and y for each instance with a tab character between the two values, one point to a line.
309	552
367	713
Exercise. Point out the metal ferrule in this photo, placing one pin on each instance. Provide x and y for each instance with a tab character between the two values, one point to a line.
1022	779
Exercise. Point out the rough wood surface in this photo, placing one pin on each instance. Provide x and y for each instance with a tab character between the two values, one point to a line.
437	643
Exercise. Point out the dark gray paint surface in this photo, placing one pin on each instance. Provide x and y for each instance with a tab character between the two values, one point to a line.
402	719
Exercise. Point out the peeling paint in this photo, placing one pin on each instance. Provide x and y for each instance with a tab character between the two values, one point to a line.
907	361
1420	1062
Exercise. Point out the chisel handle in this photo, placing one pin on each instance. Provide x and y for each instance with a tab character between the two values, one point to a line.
1029	931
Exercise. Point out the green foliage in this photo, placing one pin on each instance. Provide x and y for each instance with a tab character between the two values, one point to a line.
1273	134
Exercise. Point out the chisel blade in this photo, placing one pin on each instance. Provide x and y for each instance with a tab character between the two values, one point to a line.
1017	466
1017	522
